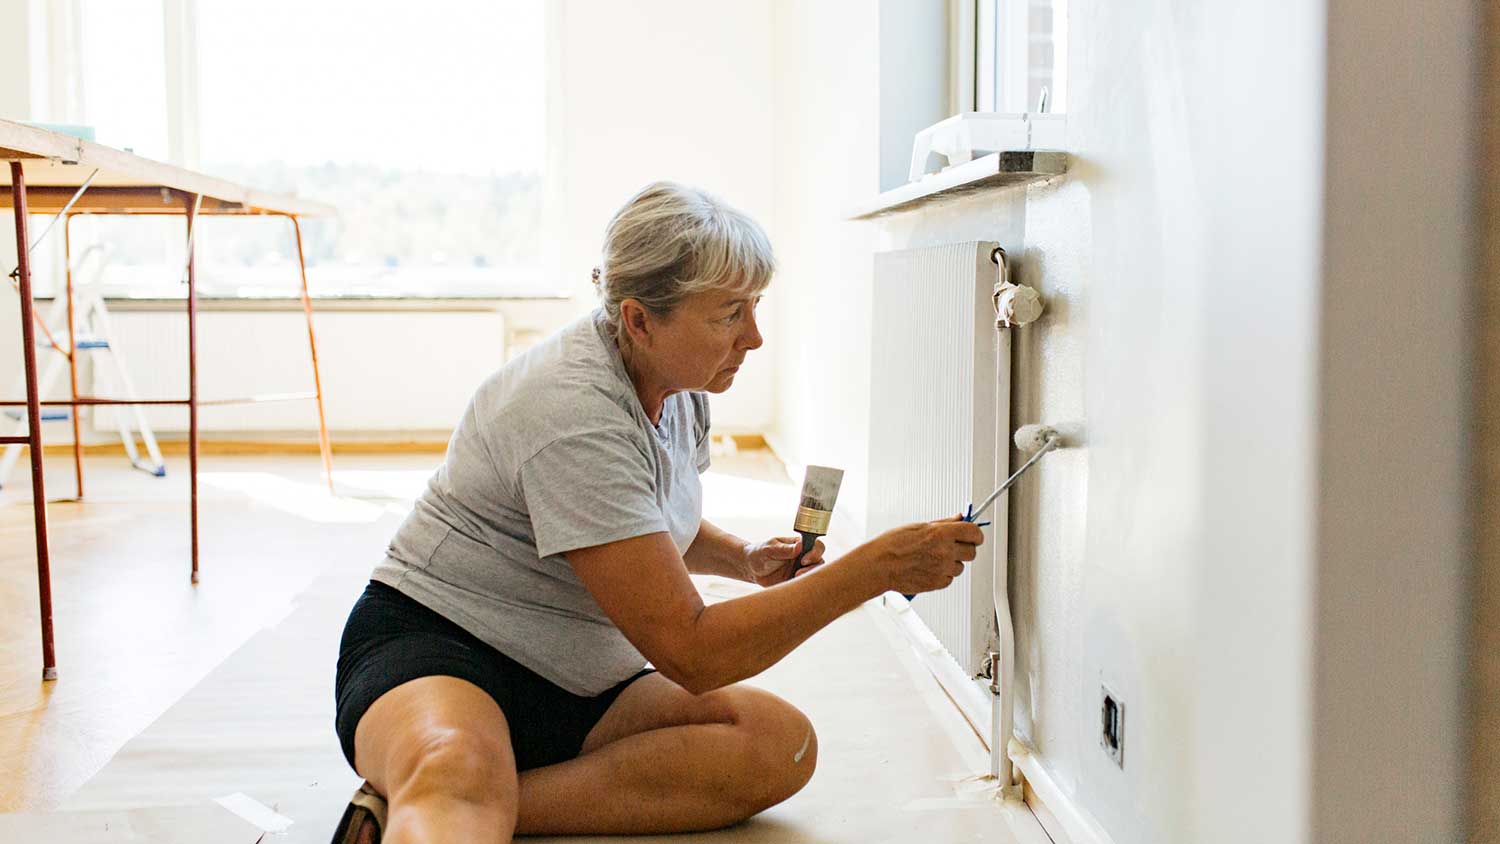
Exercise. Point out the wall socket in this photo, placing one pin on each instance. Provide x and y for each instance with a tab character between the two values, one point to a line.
1112	725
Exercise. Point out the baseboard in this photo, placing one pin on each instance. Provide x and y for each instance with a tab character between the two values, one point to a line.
746	442
779	447
1063	819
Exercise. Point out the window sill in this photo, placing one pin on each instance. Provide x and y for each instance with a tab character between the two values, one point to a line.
996	170
126	304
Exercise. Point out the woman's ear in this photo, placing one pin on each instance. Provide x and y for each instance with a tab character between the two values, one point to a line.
637	322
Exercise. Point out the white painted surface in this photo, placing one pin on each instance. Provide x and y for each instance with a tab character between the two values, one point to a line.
825	160
1238	550
1150	254
669	89
395	373
17	74
388	372
913	79
935	453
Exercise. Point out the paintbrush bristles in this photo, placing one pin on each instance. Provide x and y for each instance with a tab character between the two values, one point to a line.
820	490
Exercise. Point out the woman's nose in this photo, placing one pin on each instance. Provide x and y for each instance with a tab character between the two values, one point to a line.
750	338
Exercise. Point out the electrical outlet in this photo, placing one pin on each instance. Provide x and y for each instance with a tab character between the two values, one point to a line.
1112	725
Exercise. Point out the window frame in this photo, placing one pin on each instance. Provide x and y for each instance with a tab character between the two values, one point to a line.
979	52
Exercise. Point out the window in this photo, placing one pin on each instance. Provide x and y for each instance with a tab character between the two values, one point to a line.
423	124
1021	61
121	62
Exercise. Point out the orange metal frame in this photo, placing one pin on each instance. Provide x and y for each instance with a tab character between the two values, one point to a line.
33	402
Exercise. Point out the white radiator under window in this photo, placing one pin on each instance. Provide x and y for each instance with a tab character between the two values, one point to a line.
382	371
938	400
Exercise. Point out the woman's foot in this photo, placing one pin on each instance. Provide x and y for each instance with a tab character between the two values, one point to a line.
364	820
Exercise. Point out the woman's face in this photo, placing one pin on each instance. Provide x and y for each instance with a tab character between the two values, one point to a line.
701	344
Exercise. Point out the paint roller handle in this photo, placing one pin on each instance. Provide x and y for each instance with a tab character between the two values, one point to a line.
968	516
923	554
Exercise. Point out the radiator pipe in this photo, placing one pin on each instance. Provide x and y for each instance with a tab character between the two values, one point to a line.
1041	439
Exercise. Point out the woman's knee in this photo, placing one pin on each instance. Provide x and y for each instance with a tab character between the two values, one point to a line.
457	764
437	736
779	749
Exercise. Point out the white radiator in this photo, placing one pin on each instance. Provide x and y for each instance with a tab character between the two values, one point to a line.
404	371
938	399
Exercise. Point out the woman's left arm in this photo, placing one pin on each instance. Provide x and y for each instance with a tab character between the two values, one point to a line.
717	551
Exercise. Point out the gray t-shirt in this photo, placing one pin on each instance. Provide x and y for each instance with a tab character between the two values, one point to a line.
553	453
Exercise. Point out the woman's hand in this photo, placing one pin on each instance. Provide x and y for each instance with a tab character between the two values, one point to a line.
771	562
926	556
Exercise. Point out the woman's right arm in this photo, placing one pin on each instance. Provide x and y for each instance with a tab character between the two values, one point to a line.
644	588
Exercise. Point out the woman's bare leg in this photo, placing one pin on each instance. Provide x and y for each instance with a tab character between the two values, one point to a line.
438	749
661	760
665	760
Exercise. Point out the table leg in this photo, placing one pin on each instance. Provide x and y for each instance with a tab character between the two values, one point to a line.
312	342
73	354
192	312
33	420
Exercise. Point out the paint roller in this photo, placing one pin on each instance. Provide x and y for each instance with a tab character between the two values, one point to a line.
1038	438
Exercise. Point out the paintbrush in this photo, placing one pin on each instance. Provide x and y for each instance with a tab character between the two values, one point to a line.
820	489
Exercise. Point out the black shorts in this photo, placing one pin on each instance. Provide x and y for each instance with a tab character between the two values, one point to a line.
392	639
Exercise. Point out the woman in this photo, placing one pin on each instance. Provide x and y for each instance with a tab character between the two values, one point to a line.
492	679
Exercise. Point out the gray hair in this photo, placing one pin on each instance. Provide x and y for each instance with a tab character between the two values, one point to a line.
669	242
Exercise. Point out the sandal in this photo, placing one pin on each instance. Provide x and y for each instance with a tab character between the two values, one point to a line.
364	820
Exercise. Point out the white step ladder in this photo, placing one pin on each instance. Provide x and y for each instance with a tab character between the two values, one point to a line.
96	338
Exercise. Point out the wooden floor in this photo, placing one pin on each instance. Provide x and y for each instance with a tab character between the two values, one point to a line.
132	633
172	697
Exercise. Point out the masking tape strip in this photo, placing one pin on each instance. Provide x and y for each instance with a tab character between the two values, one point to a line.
255	812
970	791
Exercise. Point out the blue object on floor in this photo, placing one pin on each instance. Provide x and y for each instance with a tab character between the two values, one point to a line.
47	415
83	345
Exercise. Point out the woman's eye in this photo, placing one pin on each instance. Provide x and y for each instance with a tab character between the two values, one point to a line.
731	319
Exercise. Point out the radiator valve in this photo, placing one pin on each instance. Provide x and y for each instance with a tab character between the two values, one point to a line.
1016	305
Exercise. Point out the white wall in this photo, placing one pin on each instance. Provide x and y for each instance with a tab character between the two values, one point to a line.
826	157
914	91
1145	347
1242	520
668	89
28	88
16	70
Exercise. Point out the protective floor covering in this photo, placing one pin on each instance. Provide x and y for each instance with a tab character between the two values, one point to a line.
896	762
